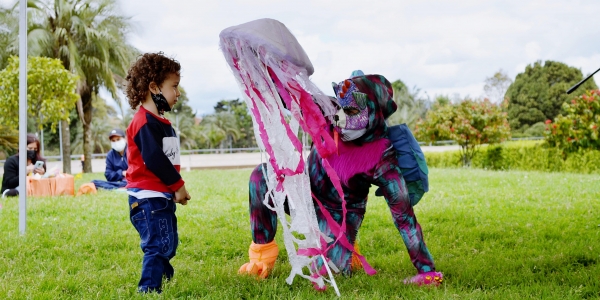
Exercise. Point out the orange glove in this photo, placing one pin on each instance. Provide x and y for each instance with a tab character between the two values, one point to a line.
262	259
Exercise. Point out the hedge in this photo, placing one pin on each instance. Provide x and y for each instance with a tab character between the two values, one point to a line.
525	156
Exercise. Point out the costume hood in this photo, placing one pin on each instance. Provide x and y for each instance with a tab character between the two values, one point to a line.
379	102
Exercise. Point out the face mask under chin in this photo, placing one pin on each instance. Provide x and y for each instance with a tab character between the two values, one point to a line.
350	135
161	102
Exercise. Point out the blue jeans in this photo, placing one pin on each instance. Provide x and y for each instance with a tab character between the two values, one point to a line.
155	221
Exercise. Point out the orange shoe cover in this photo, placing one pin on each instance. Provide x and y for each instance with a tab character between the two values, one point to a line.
356	264
262	259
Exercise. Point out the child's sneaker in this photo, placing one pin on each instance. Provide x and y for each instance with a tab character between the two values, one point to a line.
427	278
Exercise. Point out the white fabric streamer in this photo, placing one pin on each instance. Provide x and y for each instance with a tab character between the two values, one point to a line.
252	50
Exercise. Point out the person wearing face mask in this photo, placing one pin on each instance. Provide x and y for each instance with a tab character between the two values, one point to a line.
116	160
10	179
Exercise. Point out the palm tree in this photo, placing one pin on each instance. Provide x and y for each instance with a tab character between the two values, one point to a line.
9	24
9	139
88	36
218	128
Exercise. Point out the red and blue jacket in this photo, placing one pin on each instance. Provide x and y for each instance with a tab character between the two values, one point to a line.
153	154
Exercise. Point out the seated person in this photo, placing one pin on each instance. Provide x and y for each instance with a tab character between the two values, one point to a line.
10	179
116	162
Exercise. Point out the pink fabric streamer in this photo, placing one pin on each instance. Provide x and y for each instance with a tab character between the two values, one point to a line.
264	137
315	126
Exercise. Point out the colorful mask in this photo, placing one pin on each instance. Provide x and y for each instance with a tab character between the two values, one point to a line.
353	106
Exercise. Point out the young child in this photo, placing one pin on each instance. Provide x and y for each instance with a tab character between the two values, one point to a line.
154	184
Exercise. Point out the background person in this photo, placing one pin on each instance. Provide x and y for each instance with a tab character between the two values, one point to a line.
116	162
10	180
116	159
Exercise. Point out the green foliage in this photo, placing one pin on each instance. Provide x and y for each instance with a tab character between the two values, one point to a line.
9	21
578	128
50	92
495	235
411	107
496	86
538	93
229	126
530	156
470	123
220	130
9	139
442	100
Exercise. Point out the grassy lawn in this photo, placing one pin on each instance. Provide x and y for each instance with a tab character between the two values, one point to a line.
495	235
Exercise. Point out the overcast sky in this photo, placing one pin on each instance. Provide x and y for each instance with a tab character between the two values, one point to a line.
441	47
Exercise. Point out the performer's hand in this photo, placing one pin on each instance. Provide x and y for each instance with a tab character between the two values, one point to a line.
262	259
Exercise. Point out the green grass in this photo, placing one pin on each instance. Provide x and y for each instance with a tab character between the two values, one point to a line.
495	235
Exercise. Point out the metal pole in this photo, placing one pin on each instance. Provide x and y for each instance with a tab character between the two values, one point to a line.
22	116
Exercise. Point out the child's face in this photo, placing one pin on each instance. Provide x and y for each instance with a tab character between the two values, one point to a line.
170	89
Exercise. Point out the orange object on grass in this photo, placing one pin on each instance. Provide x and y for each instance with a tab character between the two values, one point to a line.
53	186
262	259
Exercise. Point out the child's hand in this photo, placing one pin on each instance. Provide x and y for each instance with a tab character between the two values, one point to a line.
182	196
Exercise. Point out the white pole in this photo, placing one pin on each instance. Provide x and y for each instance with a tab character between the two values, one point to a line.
22	115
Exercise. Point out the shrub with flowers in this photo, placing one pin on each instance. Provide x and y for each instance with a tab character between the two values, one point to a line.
470	123
577	127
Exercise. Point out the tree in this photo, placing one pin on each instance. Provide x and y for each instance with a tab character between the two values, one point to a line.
411	107
243	120
9	22
470	123
88	36
9	139
496	86
218	128
50	92
537	94
105	119
578	127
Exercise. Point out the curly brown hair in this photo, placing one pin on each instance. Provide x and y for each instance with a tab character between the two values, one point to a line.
148	68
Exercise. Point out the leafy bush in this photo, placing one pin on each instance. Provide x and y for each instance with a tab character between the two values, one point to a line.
578	127
470	123
531	156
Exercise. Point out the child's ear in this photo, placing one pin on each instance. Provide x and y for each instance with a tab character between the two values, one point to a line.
153	87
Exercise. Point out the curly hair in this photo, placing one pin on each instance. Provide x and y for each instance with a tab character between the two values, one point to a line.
148	68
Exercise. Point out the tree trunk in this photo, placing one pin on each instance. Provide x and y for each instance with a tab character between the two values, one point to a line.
86	101
66	146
